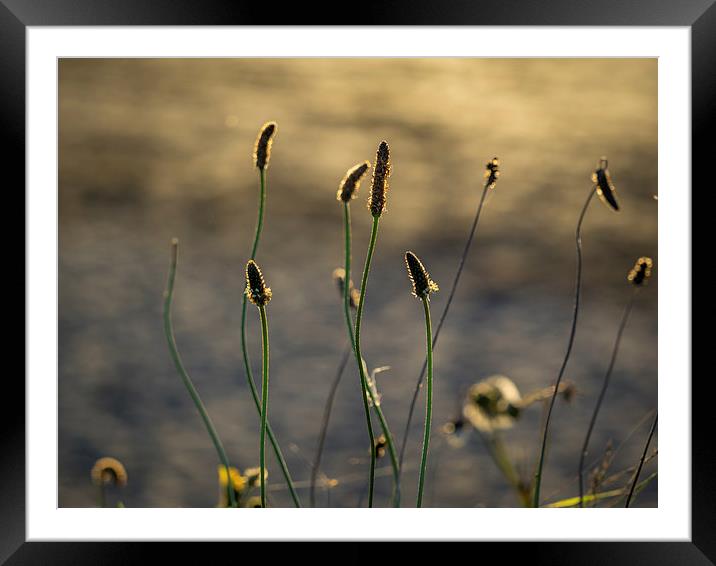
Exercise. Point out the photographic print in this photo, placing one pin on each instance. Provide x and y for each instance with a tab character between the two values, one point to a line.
358	282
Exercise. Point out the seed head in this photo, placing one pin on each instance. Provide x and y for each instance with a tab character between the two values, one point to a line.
419	277
605	188
492	172
493	404
262	149
109	470
256	289
379	187
349	185
339	276
641	271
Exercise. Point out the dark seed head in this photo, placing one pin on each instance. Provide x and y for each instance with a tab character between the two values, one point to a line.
492	172
256	289
262	149
339	276
605	188
379	187
349	185
419	277
641	271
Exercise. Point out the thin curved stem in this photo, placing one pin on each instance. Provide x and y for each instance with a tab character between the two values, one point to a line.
326	418
392	452
355	338
602	393
244	350
641	462
193	393
264	400
570	343
428	401
441	321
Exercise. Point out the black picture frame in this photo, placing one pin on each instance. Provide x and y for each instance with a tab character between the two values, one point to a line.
17	15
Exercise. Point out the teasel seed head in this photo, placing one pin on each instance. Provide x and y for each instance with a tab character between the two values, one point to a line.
379	187
262	149
349	184
605	188
641	271
256	289
109	470
339	276
492	172
419	277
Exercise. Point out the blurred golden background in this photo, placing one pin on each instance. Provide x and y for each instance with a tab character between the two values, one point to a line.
152	149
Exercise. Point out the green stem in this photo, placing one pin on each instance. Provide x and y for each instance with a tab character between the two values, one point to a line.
570	343
245	352
502	460
365	389
392	452
428	400
264	400
169	332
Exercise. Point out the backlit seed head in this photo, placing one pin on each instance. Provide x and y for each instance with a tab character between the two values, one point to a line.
641	271
605	188
493	404
379	187
256	289
262	149
349	184
109	470
492	172
419	277
339	276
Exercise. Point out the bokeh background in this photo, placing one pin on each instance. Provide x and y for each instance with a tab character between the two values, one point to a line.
152	149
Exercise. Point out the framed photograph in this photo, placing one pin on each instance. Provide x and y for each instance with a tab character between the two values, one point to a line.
423	277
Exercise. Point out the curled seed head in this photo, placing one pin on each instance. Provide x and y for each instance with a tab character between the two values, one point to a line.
605	188
641	271
379	187
262	149
492	172
109	470
349	184
256	289
339	276
419	277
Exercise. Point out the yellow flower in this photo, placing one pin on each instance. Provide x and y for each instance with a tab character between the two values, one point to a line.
238	481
